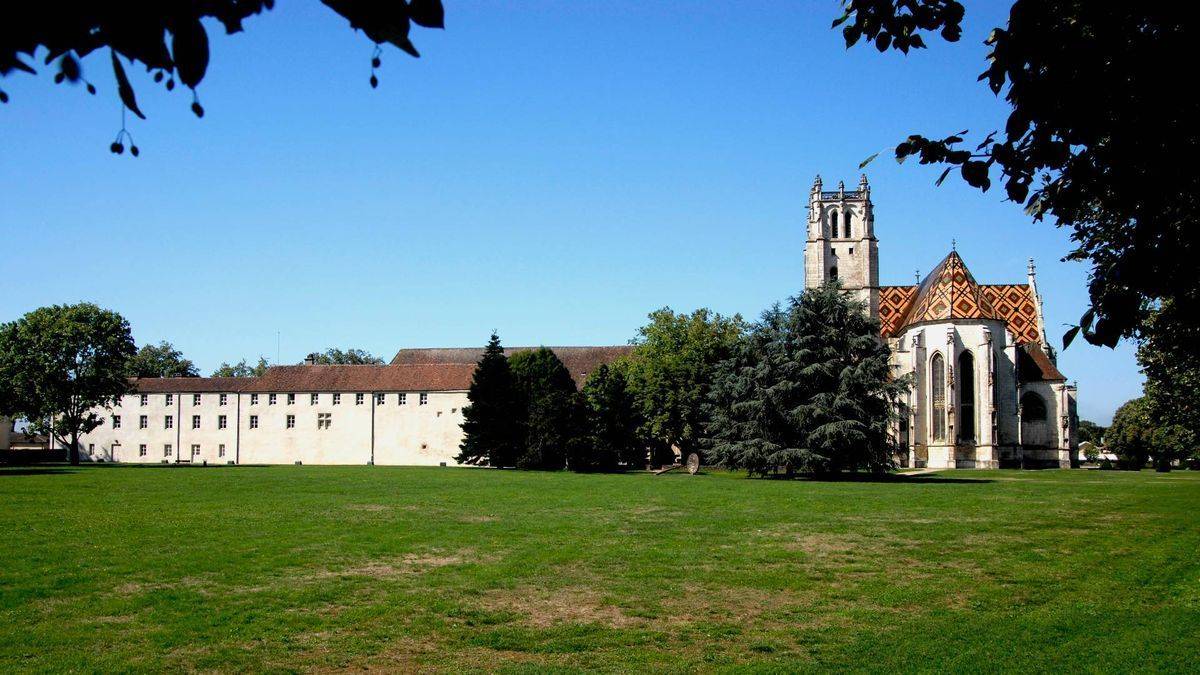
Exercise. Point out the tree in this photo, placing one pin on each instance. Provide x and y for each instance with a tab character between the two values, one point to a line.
1092	139
349	357
139	33
670	373
161	360
1090	432
60	363
808	389
1129	436
242	369
554	430
492	421
613	421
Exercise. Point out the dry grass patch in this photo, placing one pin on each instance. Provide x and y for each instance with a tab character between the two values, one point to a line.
544	608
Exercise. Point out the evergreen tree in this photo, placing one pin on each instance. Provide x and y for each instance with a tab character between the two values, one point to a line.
554	421
808	389
613	422
491	422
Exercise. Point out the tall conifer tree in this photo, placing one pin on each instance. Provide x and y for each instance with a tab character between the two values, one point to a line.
809	389
491	422
614	421
554	420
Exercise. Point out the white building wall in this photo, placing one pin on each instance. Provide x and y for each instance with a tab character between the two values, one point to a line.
419	434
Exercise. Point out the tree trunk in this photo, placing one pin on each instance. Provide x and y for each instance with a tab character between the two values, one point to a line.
73	450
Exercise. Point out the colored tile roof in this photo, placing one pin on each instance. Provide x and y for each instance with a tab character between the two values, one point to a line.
950	292
580	361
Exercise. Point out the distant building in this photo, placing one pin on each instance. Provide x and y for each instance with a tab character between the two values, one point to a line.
407	412
986	390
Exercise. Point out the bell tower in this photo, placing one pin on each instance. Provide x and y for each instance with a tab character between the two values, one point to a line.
841	241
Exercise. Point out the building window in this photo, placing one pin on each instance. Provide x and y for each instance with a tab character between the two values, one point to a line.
846	219
195	421
116	421
195	399
143	399
271	398
833	228
423	398
379	399
358	399
401	399
254	421
1033	407
291	421
221	450
313	399
142	450
91	448
324	420
291	399
167	450
143	421
170	399
168	422
253	399
337	399
966	397
937	392
195	450
223	399
833	272
222	421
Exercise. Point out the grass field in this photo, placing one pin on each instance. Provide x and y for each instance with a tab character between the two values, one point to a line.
317	568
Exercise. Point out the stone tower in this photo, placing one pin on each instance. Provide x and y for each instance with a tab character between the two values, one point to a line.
841	241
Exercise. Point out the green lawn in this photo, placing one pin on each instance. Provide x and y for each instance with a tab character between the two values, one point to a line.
302	568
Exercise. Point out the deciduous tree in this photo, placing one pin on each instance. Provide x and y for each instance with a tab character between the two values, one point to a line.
553	419
162	360
354	357
614	422
59	364
242	369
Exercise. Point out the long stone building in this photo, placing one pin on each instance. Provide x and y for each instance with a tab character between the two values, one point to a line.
406	412
986	391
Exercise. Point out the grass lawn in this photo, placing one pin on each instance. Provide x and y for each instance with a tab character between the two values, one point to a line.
301	568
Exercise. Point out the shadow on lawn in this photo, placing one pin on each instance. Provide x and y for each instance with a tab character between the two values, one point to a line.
24	470
923	479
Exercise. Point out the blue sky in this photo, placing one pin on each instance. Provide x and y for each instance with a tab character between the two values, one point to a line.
553	170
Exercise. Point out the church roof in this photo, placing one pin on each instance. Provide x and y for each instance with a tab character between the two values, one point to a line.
950	292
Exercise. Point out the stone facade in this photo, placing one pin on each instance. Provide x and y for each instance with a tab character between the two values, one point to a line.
985	389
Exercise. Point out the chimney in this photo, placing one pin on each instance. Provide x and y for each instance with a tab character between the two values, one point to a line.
310	360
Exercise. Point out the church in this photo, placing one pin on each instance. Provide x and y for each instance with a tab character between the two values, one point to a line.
986	392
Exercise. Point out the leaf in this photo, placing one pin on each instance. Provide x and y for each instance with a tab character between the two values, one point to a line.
123	88
189	48
1069	336
867	161
941	178
427	13
69	68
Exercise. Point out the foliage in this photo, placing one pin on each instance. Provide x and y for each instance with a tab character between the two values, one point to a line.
554	433
613	421
353	357
1129	436
242	369
670	374
491	422
59	363
168	37
1090	432
1169	356
1097	139
161	360
808	389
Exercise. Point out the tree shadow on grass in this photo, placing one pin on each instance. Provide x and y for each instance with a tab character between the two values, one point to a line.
20	470
922	479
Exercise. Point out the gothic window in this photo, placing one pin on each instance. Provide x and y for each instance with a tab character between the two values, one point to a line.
937	393
1033	408
966	388
848	217
833	228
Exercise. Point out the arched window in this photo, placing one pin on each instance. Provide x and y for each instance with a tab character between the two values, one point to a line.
833	272
846	219
937	395
1033	408
833	230
966	405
